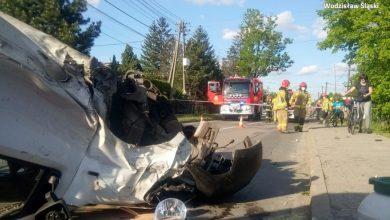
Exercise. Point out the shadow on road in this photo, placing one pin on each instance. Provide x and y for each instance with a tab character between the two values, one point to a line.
274	179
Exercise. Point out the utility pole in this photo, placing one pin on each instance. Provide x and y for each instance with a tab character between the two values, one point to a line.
171	78
184	59
334	69
349	76
326	88
172	71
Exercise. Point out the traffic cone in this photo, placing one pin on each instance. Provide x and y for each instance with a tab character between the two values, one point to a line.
240	124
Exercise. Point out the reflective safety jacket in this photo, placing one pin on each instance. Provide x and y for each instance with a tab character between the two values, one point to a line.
300	99
280	101
327	105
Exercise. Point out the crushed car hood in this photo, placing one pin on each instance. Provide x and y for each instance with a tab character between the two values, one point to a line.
50	116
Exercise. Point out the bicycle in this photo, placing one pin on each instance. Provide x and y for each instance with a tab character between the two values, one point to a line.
353	117
337	115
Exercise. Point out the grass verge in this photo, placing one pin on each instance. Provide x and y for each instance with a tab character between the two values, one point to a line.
381	129
196	117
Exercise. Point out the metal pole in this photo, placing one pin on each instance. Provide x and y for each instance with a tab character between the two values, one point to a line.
326	88
334	69
184	46
173	65
349	77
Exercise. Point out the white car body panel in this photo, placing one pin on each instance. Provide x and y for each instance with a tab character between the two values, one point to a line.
47	117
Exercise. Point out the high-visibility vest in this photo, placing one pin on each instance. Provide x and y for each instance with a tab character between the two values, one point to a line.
326	104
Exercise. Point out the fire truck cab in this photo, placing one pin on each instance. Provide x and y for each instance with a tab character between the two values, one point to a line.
238	96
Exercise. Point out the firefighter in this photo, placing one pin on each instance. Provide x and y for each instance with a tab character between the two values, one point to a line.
280	106
300	100
269	109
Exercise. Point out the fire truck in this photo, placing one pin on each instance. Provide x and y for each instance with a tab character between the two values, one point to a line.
237	96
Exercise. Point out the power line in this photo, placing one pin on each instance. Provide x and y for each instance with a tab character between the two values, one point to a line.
165	9
114	44
127	14
145	6
126	26
136	4
159	12
154	11
140	10
111	37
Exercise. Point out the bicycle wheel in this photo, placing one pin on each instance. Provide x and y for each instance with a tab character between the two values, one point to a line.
334	121
353	121
349	123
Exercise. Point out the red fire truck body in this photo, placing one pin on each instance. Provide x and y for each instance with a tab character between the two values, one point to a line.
238	96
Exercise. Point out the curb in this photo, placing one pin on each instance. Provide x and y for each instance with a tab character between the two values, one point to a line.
320	202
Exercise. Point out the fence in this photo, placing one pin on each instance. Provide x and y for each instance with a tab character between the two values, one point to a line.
193	107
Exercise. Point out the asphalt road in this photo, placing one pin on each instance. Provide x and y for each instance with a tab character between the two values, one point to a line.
280	189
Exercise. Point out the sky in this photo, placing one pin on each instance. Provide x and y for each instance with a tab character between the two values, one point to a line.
128	21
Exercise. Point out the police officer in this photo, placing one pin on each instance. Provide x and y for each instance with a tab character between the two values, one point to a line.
299	101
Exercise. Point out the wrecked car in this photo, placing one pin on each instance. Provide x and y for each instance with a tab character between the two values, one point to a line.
72	133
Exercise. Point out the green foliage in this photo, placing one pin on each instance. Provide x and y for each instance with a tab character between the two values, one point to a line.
363	34
163	86
129	61
114	65
204	65
259	49
157	49
62	19
229	64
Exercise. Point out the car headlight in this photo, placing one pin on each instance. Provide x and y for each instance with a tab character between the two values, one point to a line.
170	208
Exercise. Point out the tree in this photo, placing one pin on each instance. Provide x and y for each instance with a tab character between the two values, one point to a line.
129	61
261	48
62	19
204	66
364	36
229	64
114	65
157	49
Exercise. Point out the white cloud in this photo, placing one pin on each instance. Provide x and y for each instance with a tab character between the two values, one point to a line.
318	29
308	70
218	2
342	68
229	34
94	2
285	21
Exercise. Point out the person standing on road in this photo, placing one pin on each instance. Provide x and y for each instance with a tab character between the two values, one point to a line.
300	100
280	106
363	98
318	109
326	108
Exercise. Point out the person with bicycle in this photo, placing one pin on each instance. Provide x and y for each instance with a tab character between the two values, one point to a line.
363	99
337	112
